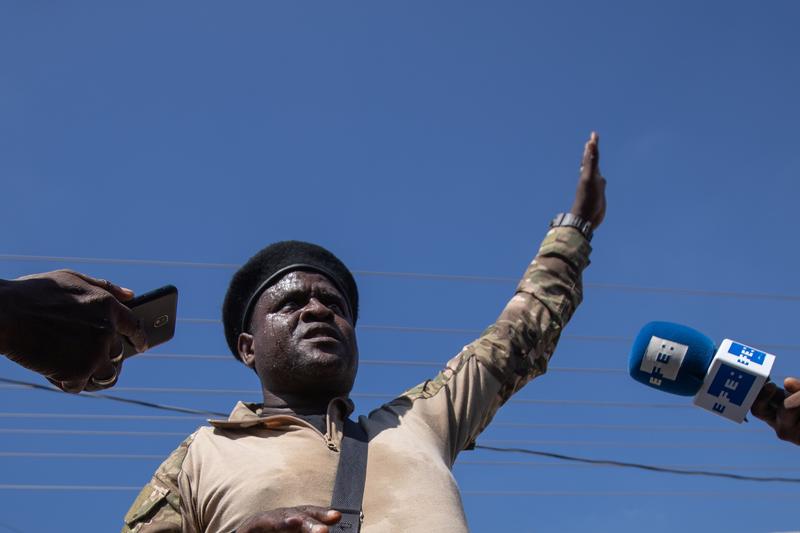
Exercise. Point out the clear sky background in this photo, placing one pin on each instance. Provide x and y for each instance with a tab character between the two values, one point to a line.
414	137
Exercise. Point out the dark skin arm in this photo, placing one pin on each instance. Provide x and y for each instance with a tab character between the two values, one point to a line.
590	196
780	409
66	326
301	519
589	203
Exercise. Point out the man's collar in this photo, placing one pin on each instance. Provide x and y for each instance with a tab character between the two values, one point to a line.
247	415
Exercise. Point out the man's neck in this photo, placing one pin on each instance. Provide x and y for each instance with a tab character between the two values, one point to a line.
299	404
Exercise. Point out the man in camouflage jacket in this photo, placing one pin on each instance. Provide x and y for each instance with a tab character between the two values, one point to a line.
271	467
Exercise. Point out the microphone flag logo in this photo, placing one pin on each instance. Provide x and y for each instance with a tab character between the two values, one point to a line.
731	384
663	359
747	354
736	374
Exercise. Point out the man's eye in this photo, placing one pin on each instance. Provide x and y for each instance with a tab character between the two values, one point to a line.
335	305
288	307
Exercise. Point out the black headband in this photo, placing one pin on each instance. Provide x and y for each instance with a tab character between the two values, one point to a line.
251	302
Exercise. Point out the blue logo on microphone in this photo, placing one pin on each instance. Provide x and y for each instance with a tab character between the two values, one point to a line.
731	384
747	354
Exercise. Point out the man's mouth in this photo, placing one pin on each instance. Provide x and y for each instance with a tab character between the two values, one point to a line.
321	333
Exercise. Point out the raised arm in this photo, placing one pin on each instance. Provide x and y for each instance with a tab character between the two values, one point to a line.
463	398
590	207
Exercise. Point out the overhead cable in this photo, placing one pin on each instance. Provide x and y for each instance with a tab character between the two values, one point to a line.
629	444
27	385
95	416
515	425
411	275
380	362
561	464
781	495
95	432
639	466
465	462
536	442
17	385
476	332
620	464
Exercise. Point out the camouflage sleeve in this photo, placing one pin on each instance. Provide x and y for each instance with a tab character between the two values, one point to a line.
157	508
513	350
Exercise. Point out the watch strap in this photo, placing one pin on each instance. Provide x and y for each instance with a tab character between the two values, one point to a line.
573	221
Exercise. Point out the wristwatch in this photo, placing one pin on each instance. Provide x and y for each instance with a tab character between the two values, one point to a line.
573	221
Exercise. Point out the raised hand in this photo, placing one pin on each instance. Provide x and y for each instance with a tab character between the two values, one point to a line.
590	196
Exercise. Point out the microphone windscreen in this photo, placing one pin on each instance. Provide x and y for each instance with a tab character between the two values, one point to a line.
671	357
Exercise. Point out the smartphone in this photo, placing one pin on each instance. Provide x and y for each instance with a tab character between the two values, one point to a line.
157	311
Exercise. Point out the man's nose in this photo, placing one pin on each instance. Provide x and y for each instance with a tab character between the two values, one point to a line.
316	309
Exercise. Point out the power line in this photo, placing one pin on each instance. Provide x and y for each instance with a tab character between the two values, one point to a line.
92	488
622	427
466	462
10	528
626	444
585	493
482	446
16	385
476	332
537	464
639	466
535	442
618	493
112	261
379	362
77	455
25	385
408	275
92	416
516	425
521	425
95	432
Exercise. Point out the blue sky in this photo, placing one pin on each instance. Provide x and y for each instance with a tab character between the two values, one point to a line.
417	137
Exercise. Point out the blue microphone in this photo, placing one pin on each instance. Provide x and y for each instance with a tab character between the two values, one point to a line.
680	360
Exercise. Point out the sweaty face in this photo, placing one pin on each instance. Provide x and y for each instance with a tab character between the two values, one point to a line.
303	338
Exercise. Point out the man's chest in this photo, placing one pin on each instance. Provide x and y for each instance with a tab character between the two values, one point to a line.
232	478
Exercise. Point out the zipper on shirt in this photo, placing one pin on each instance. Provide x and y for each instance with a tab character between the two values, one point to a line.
331	445
299	421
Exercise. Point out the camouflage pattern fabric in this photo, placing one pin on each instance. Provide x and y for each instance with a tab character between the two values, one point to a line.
157	508
518	346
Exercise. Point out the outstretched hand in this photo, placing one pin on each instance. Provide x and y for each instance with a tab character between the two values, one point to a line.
590	196
780	409
67	326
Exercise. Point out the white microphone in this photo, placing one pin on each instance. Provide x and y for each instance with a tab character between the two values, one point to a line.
736	376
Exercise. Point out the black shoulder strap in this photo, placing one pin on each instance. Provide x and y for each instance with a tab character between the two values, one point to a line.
348	489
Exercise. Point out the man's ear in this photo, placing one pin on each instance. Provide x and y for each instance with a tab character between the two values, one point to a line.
246	349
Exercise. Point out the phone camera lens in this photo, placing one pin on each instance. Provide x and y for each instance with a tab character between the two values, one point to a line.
161	321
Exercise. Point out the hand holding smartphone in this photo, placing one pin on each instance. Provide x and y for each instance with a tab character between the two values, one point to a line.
157	312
